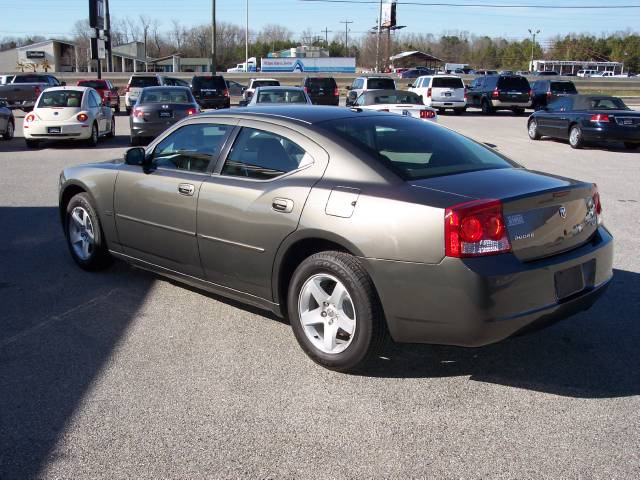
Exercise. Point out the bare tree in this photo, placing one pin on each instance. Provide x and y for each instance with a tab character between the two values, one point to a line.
177	34
145	24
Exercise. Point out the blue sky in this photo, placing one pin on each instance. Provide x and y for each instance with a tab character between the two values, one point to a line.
55	18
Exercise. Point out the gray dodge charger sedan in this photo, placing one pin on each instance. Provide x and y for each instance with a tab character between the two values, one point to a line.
352	224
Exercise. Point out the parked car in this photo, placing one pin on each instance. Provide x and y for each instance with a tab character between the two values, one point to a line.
322	90
235	89
69	113
353	224
587	73
175	82
7	121
442	92
546	91
546	73
499	92
137	82
362	84
258	82
284	95
396	101
411	73
486	72
587	118
211	91
24	89
108	93
157	109
4	79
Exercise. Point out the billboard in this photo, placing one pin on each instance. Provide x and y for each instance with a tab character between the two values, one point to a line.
389	14
296	65
96	14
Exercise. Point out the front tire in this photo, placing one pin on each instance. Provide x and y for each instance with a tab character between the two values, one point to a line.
84	234
92	141
10	131
575	137
533	130
335	312
459	111
487	109
112	132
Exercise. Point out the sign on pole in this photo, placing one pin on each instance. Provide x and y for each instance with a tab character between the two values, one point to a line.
98	49
389	14
96	14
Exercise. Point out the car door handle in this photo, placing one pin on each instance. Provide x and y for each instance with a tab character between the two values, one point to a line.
283	205
186	189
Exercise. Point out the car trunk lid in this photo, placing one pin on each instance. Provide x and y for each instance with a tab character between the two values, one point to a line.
545	215
60	114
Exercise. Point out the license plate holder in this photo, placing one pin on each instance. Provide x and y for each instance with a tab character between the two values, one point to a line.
569	282
54	129
166	114
447	94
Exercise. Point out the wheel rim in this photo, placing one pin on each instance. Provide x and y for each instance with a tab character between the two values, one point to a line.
574	137
327	313
81	233
532	129
10	130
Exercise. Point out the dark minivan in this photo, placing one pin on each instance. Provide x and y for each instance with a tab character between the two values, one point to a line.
546	91
322	90
211	91
500	92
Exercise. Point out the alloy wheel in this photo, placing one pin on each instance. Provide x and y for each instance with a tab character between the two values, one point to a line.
327	313
81	233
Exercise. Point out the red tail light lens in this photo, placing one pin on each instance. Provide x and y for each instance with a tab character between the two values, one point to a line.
226	92
496	93
336	92
306	89
597	203
429	92
465	93
475	229
192	111
600	117
427	114
549	94
30	118
37	90
82	117
138	113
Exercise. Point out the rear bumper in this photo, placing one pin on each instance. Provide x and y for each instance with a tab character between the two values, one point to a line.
149	130
448	104
222	102
39	131
611	134
510	104
478	301
329	100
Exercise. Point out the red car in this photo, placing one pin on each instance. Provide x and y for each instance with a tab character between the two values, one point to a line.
107	91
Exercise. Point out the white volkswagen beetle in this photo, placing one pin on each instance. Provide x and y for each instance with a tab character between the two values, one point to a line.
68	113
396	101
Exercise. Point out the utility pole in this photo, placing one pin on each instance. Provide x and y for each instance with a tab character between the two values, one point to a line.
533	44
246	41
326	34
346	36
107	27
214	67
378	40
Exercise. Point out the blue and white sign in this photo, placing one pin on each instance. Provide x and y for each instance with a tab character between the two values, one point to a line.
299	65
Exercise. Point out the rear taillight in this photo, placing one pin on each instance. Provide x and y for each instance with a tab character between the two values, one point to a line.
126	90
226	92
600	118
82	117
192	111
427	114
37	90
496	93
596	202
336	92
30	118
475	229
429	92
306	90
549	94
465	93
138	113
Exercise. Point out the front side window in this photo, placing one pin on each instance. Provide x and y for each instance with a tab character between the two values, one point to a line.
60	99
191	147
263	155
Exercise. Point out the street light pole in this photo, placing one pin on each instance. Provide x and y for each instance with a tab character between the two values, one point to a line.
378	40
246	41
213	37
533	44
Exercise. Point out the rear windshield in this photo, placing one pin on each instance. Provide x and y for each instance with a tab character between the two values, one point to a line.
266	83
29	79
281	96
398	97
92	84
563	87
60	99
447	82
606	103
324	83
381	84
166	95
513	83
215	83
141	82
415	149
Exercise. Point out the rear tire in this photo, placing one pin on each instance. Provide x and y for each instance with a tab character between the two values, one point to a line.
441	111
575	137
487	109
32	143
92	141
10	131
358	309
128	111
518	111
459	111
112	132
532	129
631	146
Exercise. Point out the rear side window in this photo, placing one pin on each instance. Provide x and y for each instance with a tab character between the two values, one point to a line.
513	83
215	83
381	84
263	155
447	82
318	83
29	79
60	99
141	82
191	147
563	87
415	149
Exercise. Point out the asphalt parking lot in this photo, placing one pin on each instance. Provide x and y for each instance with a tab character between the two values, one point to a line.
123	374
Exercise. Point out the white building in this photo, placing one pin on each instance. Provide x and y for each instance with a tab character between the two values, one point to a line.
51	55
564	67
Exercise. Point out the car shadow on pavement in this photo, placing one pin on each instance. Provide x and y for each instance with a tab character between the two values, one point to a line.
18	145
60	327
594	354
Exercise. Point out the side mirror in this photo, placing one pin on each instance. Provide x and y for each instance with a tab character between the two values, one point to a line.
410	85
135	156
348	87
63	84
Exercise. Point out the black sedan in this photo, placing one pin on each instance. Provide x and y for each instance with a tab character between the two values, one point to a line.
587	118
157	109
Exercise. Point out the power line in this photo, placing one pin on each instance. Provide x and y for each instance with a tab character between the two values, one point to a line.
485	5
346	35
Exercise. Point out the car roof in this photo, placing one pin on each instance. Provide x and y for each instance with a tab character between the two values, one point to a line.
69	87
262	79
281	87
295	113
166	87
389	91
